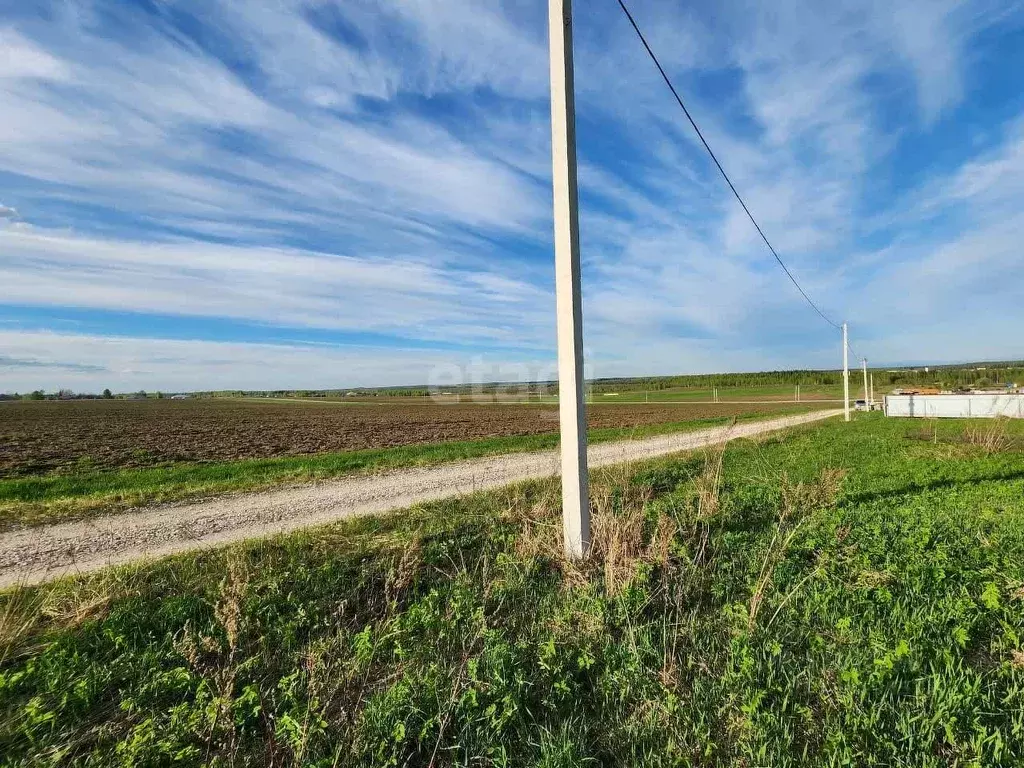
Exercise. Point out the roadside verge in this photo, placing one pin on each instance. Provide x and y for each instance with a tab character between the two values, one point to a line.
43	553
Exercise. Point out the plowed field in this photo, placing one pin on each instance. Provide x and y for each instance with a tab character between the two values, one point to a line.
37	437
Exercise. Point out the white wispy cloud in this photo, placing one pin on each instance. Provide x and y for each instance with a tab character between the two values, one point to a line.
151	121
21	59
273	286
89	363
384	166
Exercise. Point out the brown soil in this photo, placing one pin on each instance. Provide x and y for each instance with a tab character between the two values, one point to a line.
38	437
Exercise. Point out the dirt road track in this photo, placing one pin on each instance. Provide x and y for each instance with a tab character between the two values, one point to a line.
44	553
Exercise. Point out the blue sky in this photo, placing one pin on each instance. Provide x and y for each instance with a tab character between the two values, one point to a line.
217	194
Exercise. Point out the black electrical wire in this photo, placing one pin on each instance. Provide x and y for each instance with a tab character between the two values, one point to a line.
728	181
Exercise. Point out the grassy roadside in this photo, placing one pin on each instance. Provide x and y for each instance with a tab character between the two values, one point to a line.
836	595
66	496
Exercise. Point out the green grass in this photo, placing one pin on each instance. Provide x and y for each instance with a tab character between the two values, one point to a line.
844	595
629	394
725	394
48	498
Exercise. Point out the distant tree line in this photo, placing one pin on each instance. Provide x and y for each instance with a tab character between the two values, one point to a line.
978	375
318	393
67	394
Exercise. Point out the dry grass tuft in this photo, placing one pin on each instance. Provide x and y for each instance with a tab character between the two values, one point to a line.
800	499
540	526
18	617
215	658
993	437
869	579
623	534
228	610
708	486
84	600
624	537
401	576
229	614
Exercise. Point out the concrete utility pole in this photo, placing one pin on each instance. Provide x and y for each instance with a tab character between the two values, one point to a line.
846	375
568	294
864	363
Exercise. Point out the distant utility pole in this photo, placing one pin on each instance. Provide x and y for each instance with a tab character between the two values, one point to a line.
864	363
846	375
872	400
568	294
797	396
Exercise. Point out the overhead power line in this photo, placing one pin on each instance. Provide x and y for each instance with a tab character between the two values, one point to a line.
728	181
853	352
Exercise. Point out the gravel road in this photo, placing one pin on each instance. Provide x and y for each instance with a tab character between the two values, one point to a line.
40	554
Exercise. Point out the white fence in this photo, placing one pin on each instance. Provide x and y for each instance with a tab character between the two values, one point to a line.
971	406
